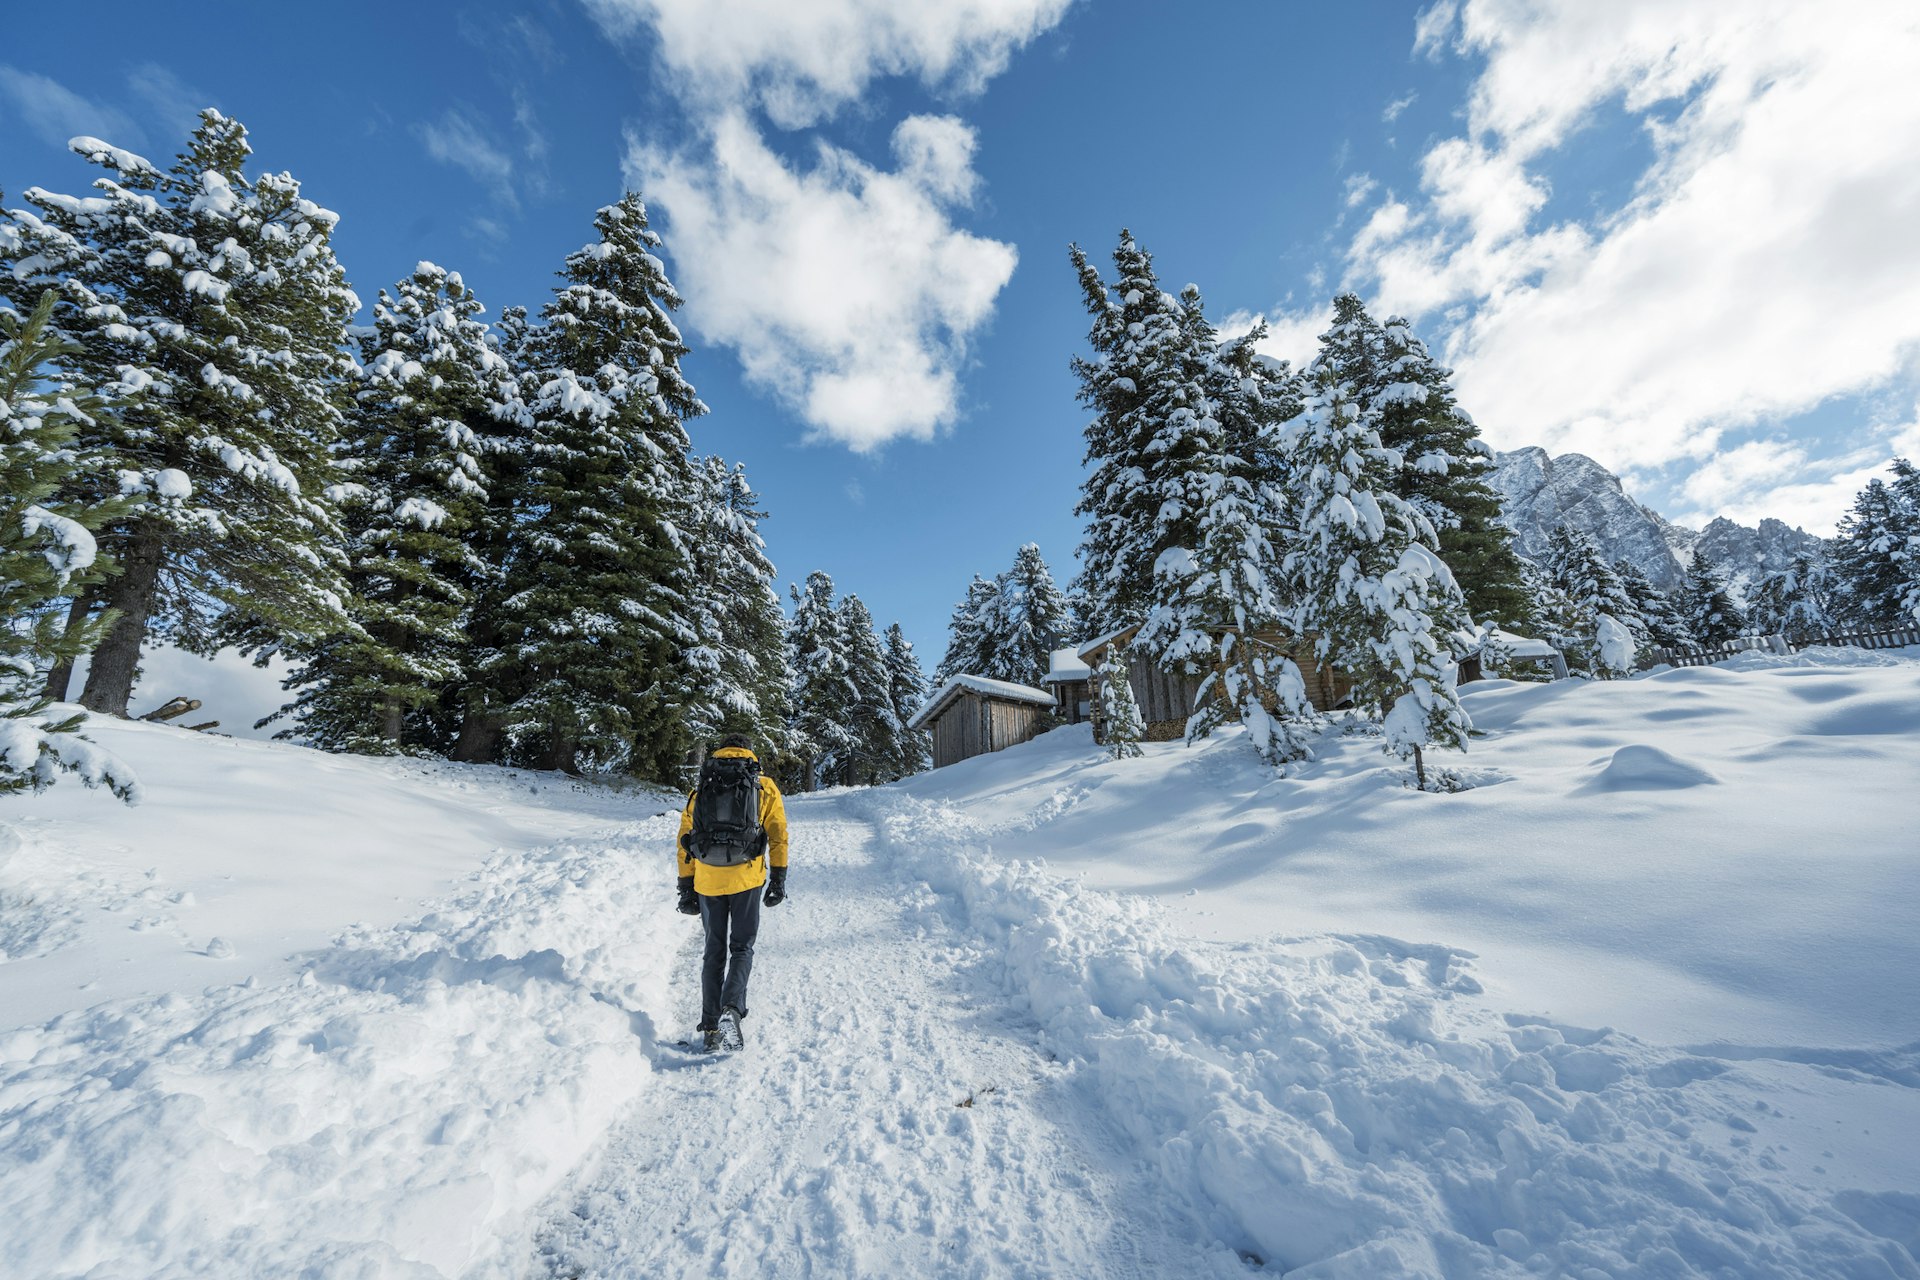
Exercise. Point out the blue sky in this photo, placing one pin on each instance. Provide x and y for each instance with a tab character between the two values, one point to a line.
1667	234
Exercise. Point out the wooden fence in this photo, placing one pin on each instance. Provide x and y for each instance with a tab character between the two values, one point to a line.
1893	638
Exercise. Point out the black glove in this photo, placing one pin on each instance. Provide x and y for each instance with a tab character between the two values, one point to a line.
776	886
689	900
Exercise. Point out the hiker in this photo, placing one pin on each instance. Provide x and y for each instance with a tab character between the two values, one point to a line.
733	841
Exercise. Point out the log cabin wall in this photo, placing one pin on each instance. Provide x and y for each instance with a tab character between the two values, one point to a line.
972	725
1011	723
1166	699
1072	700
956	731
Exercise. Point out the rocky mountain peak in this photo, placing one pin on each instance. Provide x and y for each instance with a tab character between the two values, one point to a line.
1539	493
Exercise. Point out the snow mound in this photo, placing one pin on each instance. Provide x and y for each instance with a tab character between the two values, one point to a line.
396	1111
206	1069
1639	767
1340	1108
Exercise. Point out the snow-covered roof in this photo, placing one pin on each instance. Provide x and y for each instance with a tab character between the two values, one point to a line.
1098	643
1066	665
1005	690
1521	646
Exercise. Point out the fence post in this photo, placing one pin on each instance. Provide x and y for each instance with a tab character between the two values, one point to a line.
1778	643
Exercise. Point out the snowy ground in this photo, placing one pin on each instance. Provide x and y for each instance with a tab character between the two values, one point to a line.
1702	855
1638	1005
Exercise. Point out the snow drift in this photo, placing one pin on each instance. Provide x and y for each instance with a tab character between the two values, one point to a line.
390	1103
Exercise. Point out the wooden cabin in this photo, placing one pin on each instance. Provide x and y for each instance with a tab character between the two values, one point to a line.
1515	649
972	715
1072	683
1166	698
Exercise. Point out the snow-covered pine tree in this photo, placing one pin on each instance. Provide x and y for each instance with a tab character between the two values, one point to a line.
1711	613
907	691
1661	620
743	682
877	731
474	706
599	588
969	645
1144	387
1877	550
1372	587
1555	617
219	297
1615	648
1800	602
1217	602
1120	725
47	553
1906	554
435	389
1079	615
824	694
1023	621
1393	377
1591	590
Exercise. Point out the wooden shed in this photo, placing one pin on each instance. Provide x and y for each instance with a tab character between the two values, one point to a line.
1513	648
1166	698
972	715
1071	682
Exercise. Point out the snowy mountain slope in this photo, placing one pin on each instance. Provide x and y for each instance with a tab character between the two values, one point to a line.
1353	1107
1602	879
1344	1104
1045	1014
1539	493
1751	554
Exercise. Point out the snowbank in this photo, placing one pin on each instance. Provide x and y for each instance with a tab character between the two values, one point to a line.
393	1102
1347	1107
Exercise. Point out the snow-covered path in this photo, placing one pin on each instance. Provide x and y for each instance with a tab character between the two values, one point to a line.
891	1115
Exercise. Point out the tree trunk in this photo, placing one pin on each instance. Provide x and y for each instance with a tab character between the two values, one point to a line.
392	719
1419	769
390	713
117	661
560	755
61	676
478	741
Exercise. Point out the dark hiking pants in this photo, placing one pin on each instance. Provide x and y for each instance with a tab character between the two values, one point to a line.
732	921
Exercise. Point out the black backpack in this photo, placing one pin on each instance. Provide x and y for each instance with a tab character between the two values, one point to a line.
726	813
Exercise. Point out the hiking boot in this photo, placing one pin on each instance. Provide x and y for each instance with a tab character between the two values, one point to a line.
710	1041
730	1037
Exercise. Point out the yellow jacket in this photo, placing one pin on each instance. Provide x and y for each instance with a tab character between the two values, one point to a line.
714	881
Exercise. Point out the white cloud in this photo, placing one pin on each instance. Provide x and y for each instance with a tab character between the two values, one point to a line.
456	138
845	289
1359	187
56	113
1393	109
1293	336
175	104
1431	27
802	62
1764	263
1776	478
